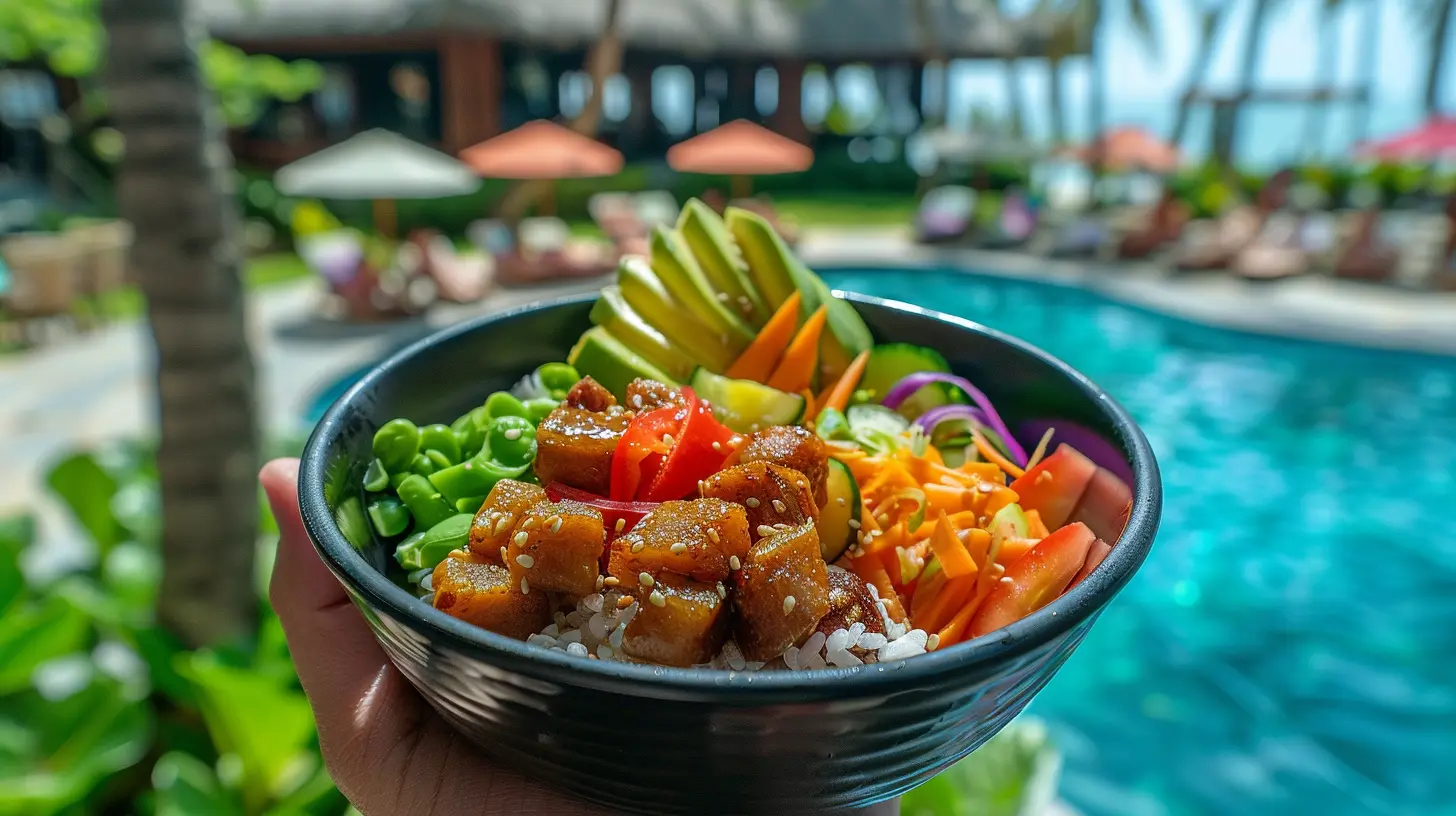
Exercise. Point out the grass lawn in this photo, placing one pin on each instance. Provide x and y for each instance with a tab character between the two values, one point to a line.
839	210
259	272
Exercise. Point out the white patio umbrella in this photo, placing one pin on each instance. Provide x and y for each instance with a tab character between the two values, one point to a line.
964	147
379	166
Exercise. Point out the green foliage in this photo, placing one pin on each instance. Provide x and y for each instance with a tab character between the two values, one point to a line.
245	82
1015	774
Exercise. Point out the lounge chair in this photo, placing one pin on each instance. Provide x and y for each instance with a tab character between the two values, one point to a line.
457	278
1163	226
357	291
616	215
1014	225
545	255
654	207
1276	253
1367	257
1236	230
945	214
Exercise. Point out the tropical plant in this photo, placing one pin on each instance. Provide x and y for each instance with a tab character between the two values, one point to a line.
1248	75
1433	17
1078	26
1211	15
1327	55
1014	774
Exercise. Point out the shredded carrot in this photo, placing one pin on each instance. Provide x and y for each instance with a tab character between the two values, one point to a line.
837	395
1041	449
762	355
994	456
978	544
985	470
926	590
938	611
810	406
1014	548
871	570
1035	527
954	558
959	523
796	369
955	631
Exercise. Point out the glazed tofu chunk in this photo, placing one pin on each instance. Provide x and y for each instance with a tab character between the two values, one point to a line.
701	538
575	446
644	395
850	602
679	621
771	494
590	395
485	595
557	547
495	522
793	447
782	592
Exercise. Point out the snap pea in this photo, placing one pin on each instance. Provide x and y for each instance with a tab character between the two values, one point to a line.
474	477
376	478
470	505
438	460
512	441
424	502
557	379
440	438
502	404
396	443
429	549
537	409
389	516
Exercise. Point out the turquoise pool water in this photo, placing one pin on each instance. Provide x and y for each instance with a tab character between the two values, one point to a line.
1290	644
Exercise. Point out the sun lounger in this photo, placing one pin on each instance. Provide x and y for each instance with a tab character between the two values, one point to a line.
1367	257
544	254
1276	253
1162	226
945	214
1014	225
457	278
1219	246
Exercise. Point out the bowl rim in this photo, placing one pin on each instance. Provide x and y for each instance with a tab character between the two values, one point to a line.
1056	619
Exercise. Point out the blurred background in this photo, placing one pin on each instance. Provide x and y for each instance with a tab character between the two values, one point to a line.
1237	216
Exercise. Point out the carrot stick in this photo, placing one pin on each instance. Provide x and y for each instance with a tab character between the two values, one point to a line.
758	360
955	631
954	558
939	610
1035	527
1014	548
837	395
926	590
810	405
944	498
796	369
994	456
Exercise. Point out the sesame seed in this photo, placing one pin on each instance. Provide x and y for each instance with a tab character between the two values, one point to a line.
637	546
751	502
765	530
718	446
636	400
624	601
521	538
782	526
1044	476
722	590
504	555
734	563
854	524
932	642
985	487
1006	579
789	604
678	548
839	500
657	598
882	519
600	583
512	434
611	580
502	523
645	580
525	587
780	506
801	484
556	524
525	561
713	534
668	440
528	523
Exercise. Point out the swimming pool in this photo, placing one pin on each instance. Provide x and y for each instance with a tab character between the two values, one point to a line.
1290	644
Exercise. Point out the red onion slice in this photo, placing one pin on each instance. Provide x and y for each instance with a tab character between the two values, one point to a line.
914	382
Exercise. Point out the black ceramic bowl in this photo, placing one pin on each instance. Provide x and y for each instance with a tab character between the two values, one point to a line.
660	740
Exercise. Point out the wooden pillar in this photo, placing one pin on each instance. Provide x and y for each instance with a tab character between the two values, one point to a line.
917	89
470	80
741	101
638	129
788	118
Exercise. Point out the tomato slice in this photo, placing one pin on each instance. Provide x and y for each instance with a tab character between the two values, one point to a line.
1035	579
628	512
1095	556
1105	505
1055	485
693	457
643	448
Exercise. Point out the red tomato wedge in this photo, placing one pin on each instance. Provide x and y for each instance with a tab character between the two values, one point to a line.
1105	505
1055	485
628	512
642	449
1095	556
1034	580
693	457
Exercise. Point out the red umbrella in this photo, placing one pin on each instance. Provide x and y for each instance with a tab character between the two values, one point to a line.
542	150
739	149
1435	139
1130	148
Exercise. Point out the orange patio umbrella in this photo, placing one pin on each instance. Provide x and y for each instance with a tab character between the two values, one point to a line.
740	149
542	151
1131	148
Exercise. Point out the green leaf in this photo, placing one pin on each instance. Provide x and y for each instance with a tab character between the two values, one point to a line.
87	490
316	795
185	785
1014	774
13	539
32	634
266	725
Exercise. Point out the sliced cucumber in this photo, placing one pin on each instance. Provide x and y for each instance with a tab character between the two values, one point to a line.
745	405
1009	522
868	417
841	507
890	363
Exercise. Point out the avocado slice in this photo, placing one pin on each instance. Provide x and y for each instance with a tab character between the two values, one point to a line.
608	361
612	312
645	293
778	272
679	272
707	237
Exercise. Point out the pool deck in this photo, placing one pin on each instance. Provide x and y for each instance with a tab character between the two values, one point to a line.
95	387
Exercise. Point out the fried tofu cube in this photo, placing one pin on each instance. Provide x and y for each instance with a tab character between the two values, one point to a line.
557	547
771	494
495	522
850	602
590	395
793	447
782	592
485	595
679	622
644	395
574	446
698	538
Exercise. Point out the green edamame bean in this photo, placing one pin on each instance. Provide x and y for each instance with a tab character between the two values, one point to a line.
474	477
502	403
424	502
389	516
406	552
438	460
470	431
512	441
422	465
557	378
440	438
396	443
537	409
376	478
436	543
396	478
471	505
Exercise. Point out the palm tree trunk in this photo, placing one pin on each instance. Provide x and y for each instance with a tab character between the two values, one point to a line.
930	55
1016	103
174	185
1326	74
1369	65
1437	58
1057	111
1096	88
1202	60
1248	69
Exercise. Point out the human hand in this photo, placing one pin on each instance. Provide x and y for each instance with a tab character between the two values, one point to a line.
385	748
